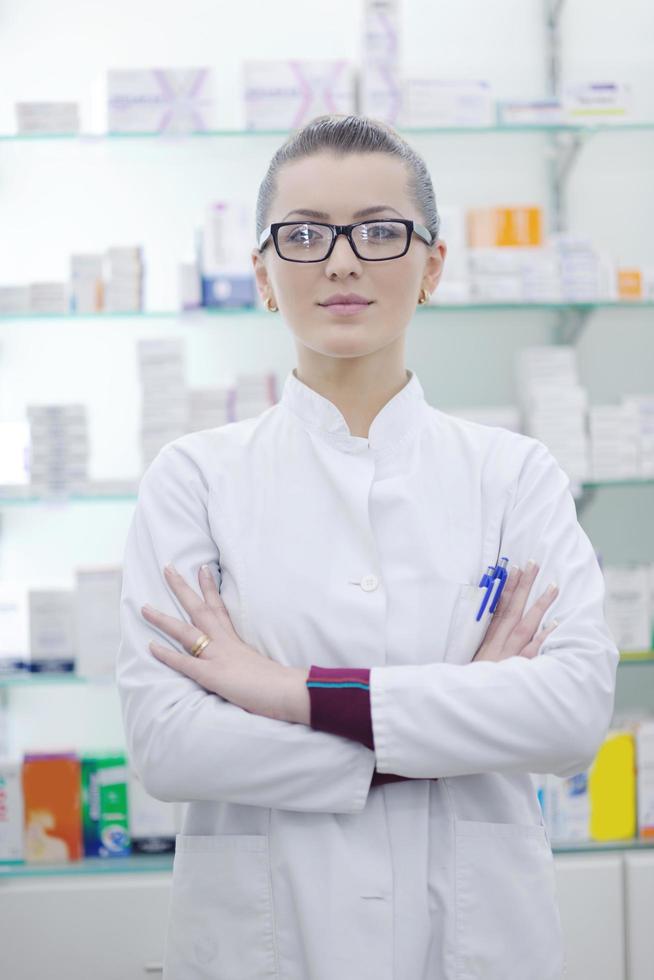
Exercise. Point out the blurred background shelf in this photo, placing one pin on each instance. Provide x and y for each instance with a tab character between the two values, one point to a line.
167	137
41	678
149	863
26	498
253	311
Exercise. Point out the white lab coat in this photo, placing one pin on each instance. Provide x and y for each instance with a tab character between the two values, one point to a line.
341	550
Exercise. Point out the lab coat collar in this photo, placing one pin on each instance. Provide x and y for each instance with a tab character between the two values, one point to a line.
394	421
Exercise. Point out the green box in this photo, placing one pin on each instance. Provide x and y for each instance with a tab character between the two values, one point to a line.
105	814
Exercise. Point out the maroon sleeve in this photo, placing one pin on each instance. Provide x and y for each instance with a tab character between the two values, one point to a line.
340	704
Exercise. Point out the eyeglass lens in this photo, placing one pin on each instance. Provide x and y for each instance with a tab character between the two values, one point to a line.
374	240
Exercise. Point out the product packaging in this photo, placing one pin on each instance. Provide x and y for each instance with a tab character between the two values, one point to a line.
105	812
160	100
612	787
11	811
52	801
285	94
52	630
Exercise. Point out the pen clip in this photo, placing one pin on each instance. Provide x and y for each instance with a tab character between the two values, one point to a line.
487	580
502	574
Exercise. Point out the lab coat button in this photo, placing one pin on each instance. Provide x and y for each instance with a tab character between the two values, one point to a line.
369	582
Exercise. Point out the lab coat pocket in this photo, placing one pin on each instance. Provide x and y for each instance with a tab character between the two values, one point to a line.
466	634
507	918
221	916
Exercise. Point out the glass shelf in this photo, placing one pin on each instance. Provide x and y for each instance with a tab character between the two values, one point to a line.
27	679
73	498
147	863
577	128
134	863
628	657
593	846
255	311
24	498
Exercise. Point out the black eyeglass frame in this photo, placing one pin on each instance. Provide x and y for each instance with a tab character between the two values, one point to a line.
336	230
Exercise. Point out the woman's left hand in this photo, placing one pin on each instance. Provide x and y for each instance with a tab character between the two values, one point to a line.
227	666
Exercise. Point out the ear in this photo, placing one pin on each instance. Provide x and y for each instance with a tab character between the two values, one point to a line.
260	273
434	265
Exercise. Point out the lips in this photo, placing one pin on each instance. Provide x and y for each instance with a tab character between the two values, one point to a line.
345	299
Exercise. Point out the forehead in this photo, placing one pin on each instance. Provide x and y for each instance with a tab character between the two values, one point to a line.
341	185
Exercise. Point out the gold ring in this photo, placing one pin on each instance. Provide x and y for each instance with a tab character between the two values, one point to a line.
202	641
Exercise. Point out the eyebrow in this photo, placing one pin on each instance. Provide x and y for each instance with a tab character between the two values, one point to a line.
357	214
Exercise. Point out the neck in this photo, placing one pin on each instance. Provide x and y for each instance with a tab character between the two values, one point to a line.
358	386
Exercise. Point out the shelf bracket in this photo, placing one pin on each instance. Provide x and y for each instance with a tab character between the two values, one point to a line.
553	10
585	498
570	324
4	721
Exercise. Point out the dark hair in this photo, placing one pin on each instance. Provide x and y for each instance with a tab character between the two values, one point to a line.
343	134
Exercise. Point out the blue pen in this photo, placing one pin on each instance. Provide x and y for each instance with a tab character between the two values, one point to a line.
502	574
486	580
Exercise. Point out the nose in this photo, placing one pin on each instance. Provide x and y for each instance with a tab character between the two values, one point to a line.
343	256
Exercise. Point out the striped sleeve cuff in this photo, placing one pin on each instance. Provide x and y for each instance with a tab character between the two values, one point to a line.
340	704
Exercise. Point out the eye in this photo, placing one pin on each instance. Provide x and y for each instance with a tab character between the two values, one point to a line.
381	231
302	234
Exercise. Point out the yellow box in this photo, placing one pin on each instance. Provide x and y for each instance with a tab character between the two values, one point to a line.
630	284
505	226
612	788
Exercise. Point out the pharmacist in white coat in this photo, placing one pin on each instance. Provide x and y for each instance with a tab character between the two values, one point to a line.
348	525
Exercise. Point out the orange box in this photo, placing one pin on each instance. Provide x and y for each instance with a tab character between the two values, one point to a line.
513	227
52	798
630	284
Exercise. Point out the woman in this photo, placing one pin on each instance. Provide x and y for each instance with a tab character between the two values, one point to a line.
347	527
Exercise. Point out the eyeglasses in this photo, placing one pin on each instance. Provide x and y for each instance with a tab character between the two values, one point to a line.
372	241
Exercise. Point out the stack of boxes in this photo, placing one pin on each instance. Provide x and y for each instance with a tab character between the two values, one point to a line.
614	442
380	92
47	298
59	448
254	393
110	281
210	406
629	605
124	285
587	275
164	406
508	262
554	405
47	117
97	620
52	643
643	407
86	283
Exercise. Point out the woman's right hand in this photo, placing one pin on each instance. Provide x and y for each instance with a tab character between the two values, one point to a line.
510	633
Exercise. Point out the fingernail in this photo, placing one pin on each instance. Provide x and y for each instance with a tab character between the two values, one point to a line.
554	623
205	569
531	563
147	608
514	569
552	587
170	568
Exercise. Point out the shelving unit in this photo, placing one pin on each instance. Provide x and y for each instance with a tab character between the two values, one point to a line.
592	874
570	319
